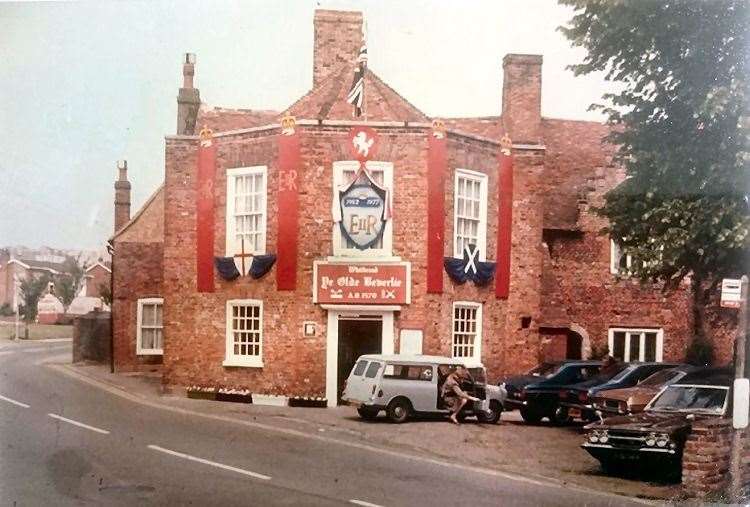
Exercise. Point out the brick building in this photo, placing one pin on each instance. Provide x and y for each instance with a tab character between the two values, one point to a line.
439	196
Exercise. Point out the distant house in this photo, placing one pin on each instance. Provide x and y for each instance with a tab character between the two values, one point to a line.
13	271
98	276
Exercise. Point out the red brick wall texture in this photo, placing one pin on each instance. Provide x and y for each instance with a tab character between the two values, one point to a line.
557	253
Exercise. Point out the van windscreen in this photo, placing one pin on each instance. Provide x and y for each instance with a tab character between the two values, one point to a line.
359	369
372	370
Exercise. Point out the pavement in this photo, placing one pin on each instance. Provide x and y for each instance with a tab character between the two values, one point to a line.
79	435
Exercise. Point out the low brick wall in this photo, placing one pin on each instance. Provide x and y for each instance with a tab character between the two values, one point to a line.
705	461
91	337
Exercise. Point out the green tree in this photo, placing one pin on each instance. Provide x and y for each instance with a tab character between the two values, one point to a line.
69	282
679	122
32	289
105	292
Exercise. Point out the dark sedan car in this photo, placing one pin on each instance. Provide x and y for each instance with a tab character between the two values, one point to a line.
540	398
657	435
578	398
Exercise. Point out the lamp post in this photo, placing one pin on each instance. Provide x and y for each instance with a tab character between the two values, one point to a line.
740	400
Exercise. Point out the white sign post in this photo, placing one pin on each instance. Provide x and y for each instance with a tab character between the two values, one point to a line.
731	293
741	387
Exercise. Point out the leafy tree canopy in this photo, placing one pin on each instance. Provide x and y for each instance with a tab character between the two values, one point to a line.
679	125
32	289
69	283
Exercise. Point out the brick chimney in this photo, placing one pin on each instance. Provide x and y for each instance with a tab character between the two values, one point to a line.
338	38
122	196
522	98
188	98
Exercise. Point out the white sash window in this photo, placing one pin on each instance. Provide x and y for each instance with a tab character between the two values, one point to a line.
244	345
469	212
628	344
246	210
467	331
150	327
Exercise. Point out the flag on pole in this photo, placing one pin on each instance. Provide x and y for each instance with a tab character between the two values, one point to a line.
356	95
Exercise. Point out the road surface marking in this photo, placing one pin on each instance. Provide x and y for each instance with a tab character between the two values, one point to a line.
79	424
24	405
541	481
207	462
363	503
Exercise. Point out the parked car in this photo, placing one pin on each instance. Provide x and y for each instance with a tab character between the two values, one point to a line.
514	384
657	435
578	398
408	385
541	398
631	400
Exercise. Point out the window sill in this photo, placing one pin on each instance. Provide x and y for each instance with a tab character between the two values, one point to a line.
150	352
243	363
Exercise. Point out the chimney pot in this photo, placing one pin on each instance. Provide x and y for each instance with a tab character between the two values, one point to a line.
122	195
522	98
338	39
188	98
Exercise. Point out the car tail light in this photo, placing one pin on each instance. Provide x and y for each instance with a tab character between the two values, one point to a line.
583	397
373	390
562	394
522	394
380	393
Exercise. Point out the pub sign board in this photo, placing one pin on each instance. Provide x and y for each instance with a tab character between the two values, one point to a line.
731	293
363	205
362	283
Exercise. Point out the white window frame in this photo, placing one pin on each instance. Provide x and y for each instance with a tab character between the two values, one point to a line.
482	229
338	181
659	356
477	357
232	247
139	350
615	254
230	359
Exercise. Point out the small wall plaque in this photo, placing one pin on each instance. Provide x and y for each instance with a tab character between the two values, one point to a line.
308	328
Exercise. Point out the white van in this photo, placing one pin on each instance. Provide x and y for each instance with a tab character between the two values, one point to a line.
406	385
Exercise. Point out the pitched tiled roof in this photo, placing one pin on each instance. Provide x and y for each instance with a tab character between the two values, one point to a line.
485	126
328	100
221	119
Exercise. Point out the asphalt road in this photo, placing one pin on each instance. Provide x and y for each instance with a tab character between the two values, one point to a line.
65	442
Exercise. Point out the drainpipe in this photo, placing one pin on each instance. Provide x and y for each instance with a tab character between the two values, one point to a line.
111	250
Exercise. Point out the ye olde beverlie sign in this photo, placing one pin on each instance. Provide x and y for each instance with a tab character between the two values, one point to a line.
731	293
362	283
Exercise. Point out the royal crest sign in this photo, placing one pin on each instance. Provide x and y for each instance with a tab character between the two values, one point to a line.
363	142
363	206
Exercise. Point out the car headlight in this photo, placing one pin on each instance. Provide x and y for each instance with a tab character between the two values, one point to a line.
651	439
594	436
603	437
662	440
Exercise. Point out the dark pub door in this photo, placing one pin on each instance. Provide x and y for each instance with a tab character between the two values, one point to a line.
357	336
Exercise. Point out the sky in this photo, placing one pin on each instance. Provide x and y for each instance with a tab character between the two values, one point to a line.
83	85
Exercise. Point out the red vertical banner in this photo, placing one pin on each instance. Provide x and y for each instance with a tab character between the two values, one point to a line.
288	205
204	222
505	220
437	167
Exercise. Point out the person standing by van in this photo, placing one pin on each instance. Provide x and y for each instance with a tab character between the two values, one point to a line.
454	397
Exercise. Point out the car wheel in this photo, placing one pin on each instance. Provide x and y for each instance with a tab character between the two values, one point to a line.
399	410
560	417
491	417
530	416
367	413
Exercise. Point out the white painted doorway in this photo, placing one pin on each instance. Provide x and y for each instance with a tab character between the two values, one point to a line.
378	317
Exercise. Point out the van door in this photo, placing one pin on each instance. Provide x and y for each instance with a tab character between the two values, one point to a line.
363	380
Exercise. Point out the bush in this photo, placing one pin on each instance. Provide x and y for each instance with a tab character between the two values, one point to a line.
5	310
700	352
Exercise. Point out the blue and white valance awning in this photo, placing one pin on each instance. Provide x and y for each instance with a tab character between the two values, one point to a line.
470	267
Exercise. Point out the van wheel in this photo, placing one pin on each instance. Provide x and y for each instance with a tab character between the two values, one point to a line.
367	413
399	410
491	417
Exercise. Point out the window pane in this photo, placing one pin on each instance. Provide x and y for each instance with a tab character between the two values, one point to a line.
147	338
158	339
635	346
618	347
159	320
372	370
650	347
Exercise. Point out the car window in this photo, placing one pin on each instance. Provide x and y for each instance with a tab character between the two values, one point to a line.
685	398
372	370
359	369
408	371
659	378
